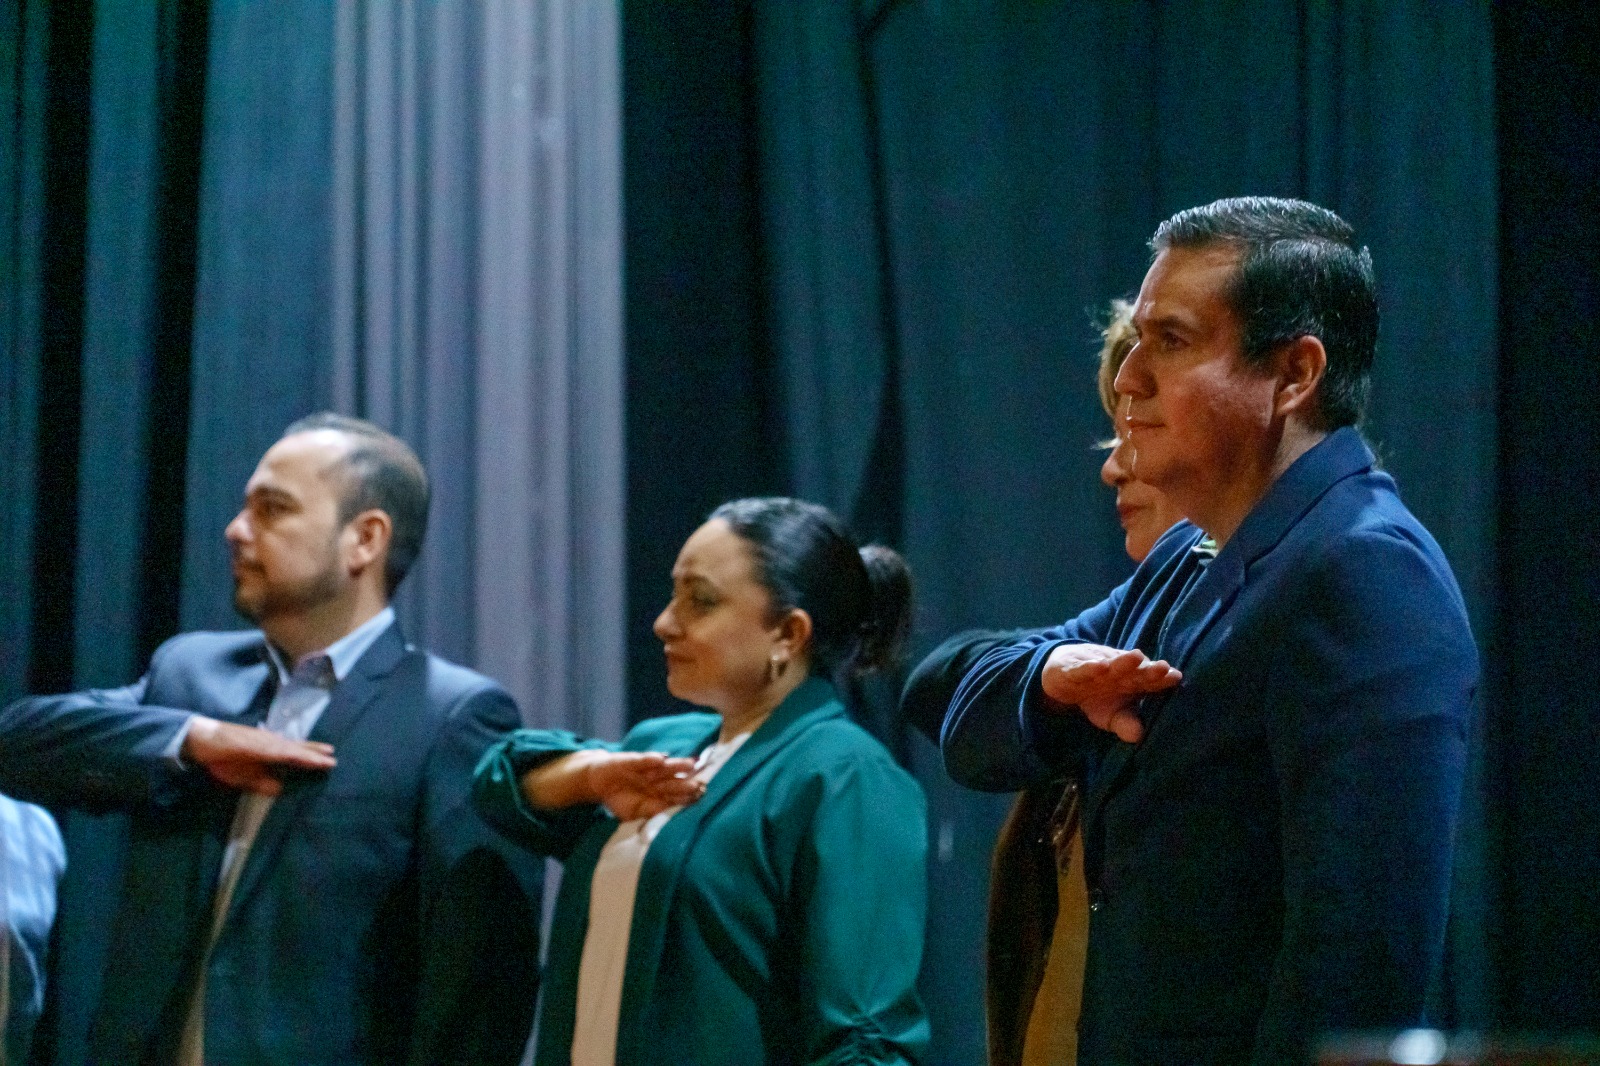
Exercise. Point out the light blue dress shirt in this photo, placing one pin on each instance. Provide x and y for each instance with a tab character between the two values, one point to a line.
32	859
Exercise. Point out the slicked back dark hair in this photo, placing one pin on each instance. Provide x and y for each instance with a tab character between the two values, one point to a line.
1300	274
859	599
380	471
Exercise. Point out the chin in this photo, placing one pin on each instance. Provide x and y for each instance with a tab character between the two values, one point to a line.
677	689
248	607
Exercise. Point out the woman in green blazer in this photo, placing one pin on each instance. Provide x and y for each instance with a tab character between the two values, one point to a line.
747	886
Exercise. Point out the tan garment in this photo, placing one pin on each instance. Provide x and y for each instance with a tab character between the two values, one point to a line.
1053	1026
1037	895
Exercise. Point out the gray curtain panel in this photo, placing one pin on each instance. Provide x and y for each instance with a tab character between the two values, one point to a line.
219	218
411	212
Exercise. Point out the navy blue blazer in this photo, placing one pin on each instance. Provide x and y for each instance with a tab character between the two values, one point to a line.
377	919
1273	859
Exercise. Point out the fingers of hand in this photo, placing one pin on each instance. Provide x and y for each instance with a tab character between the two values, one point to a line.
1118	716
1130	673
648	771
273	749
1148	675
628	804
641	784
1066	656
250	758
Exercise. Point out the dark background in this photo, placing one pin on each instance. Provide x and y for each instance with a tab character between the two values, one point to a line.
865	246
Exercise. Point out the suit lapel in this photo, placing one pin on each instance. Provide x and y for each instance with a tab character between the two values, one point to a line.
1176	623
813	701
169	883
350	700
1192	616
1208	597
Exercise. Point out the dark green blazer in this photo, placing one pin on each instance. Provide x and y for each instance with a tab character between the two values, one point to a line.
778	920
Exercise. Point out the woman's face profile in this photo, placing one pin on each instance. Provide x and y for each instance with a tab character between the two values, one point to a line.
717	631
1144	512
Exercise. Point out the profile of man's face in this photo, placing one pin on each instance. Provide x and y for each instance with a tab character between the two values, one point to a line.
1195	413
286	541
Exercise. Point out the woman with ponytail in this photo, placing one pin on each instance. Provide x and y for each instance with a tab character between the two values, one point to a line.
744	886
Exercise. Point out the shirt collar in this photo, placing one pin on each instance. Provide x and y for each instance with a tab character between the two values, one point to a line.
343	653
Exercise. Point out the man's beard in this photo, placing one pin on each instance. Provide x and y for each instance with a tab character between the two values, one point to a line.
271	601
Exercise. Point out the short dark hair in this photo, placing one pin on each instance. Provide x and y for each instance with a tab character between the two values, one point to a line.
859	599
1300	274
380	472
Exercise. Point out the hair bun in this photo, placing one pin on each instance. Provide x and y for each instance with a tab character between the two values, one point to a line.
888	619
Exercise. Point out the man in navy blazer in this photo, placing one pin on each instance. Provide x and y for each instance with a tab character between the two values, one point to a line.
1271	715
347	906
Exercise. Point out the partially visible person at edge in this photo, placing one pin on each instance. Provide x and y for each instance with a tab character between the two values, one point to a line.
1273	737
745	886
1038	926
281	905
32	859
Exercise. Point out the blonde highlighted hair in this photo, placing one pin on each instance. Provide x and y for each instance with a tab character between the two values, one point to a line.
1117	340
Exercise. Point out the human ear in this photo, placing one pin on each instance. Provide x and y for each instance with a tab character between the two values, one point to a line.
793	634
1300	366
368	535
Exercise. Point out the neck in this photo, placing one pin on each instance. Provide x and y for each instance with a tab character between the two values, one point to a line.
746	718
1222	514
308	632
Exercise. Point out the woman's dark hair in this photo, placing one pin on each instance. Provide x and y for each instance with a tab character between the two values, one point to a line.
859	599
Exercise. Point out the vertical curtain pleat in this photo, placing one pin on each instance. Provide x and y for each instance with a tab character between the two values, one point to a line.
1027	153
476	311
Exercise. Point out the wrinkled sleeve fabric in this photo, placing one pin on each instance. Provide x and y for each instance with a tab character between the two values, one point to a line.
499	799
1369	728
861	900
1002	733
925	700
97	750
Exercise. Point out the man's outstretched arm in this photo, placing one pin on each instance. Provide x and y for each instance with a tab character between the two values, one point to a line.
105	748
1024	707
925	700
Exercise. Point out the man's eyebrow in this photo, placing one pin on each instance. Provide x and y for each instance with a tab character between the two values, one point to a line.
268	492
1163	320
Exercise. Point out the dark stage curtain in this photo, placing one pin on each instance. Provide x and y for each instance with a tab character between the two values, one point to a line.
413	214
865	244
219	218
219	221
1545	737
924	207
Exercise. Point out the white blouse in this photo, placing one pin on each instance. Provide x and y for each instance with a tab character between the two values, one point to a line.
611	896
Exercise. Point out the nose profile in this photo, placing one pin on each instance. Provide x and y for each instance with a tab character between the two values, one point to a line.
663	626
1118	467
235	533
1131	379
